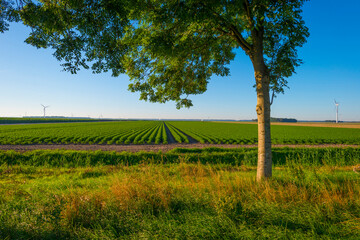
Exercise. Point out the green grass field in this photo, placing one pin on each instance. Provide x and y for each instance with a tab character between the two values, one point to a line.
146	132
311	157
184	194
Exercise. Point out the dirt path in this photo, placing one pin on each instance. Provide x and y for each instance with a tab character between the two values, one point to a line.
191	140
170	137
152	147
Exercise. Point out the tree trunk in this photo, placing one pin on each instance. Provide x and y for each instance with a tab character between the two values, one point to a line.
264	166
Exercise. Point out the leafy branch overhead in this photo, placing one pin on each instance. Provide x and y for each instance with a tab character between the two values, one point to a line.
8	14
169	49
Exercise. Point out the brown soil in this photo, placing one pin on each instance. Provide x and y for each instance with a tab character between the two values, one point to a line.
191	140
151	147
170	137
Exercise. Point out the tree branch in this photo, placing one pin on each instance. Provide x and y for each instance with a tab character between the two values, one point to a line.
235	33
240	39
248	13
272	97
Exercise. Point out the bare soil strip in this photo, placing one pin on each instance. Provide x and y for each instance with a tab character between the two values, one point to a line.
151	147
191	140
170	137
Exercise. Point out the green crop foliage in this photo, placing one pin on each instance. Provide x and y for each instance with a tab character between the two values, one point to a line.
164	134
178	135
218	132
151	138
121	132
141	132
159	134
175	134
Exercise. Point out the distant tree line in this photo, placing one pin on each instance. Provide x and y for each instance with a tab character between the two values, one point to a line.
47	120
283	120
280	120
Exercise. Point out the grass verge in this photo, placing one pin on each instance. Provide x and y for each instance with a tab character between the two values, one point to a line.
178	201
183	194
240	156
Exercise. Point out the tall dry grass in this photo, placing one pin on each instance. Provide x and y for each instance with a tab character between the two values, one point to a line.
154	189
184	201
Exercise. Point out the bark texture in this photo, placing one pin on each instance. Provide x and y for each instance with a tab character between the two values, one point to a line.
255	51
264	166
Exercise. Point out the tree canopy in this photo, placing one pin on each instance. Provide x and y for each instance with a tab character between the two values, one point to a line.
7	14
169	49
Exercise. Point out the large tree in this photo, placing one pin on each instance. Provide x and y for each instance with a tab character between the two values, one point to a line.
170	49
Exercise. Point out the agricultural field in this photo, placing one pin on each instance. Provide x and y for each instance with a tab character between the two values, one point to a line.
233	133
158	132
135	132
308	124
182	194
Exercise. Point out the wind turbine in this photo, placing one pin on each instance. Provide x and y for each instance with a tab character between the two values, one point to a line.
45	107
337	111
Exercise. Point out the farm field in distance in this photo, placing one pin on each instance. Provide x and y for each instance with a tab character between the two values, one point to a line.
159	132
308	124
189	192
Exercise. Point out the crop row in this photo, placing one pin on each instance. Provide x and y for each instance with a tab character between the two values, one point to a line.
177	134
147	132
208	132
129	132
236	133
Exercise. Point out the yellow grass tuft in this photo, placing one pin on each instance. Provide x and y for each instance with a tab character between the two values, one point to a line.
356	169
153	188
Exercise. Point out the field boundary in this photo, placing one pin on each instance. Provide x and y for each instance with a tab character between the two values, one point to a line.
155	147
355	125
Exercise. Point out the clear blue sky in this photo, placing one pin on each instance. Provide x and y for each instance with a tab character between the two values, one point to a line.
30	77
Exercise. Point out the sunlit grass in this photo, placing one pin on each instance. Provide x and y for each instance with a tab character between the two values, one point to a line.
178	201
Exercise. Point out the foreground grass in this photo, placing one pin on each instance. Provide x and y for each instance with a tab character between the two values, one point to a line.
178	201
